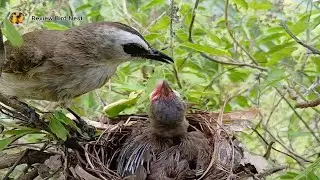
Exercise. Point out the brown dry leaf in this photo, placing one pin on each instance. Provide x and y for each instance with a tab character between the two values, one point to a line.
246	115
53	163
239	120
237	126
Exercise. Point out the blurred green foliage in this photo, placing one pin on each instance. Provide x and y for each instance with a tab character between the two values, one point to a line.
289	72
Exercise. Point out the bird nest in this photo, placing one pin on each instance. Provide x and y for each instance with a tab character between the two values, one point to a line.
227	159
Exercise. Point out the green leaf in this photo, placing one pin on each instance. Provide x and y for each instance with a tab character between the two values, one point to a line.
21	131
312	176
6	142
182	35
298	27
54	26
205	49
94	13
242	101
163	23
228	108
316	61
152	36
271	37
288	175
90	100
238	75
260	5
58	129
241	3
82	7
281	46
151	4
280	55
215	39
12	34
115	108
198	32
309	170
275	75
65	120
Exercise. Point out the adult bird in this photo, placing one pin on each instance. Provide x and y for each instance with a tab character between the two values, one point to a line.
165	149
61	65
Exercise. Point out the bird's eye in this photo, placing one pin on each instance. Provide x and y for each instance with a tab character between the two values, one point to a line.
134	49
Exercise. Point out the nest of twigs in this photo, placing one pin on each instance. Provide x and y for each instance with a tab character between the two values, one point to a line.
78	158
228	159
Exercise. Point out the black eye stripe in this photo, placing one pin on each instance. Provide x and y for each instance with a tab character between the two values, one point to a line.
134	49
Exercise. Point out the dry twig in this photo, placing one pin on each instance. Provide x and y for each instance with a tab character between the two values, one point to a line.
313	103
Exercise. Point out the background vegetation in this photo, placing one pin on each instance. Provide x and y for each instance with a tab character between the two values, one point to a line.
222	49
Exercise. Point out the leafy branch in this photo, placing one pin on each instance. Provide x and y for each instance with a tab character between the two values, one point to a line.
213	59
312	49
226	10
300	118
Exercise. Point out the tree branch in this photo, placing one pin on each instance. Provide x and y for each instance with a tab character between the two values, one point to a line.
312	49
232	63
285	153
313	103
271	171
298	115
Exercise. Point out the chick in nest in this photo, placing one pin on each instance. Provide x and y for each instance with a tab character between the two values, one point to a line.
165	149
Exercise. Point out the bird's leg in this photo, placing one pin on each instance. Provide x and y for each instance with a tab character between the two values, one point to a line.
85	128
80	121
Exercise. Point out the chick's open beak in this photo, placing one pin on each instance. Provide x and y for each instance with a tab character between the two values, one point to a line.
162	90
158	56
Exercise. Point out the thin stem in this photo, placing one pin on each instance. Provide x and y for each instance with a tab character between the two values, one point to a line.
299	117
234	64
192	19
171	42
226	10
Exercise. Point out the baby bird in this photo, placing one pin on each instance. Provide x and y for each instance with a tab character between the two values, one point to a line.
167	112
164	149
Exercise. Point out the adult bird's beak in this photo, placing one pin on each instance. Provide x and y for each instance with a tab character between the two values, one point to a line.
158	56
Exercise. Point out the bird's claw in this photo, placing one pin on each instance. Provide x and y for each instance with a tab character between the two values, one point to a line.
88	131
31	115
